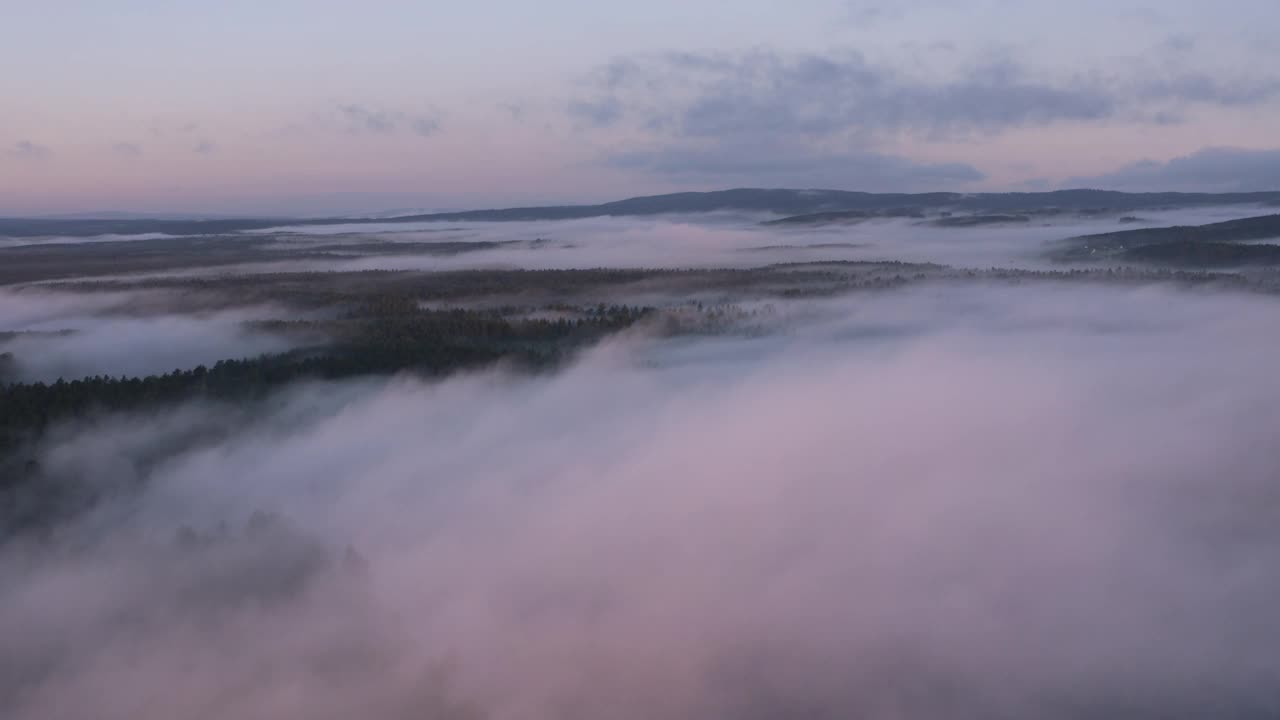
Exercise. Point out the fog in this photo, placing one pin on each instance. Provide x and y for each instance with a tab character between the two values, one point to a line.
68	335
719	240
966	501
714	240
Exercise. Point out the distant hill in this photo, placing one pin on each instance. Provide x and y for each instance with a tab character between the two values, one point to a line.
1212	245
806	202
118	215
1203	255
980	220
1262	227
842	217
770	201
88	227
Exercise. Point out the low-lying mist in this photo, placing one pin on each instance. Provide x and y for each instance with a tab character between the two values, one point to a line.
964	501
713	240
728	240
49	335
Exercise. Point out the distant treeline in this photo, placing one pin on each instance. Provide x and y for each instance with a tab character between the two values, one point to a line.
397	336
1216	245
777	201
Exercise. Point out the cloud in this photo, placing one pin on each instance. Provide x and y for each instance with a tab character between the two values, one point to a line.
27	150
1191	87
162	129
1179	43
136	334
808	94
601	112
424	126
515	111
780	164
717	103
129	150
205	147
724	240
963	502
807	119
358	119
864	15
1220	169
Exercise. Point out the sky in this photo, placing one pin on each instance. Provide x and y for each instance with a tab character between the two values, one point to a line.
317	107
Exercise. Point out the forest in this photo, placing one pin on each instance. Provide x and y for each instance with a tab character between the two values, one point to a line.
384	336
379	323
243	426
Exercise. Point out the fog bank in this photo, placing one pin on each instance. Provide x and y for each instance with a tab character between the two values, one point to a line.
67	335
952	501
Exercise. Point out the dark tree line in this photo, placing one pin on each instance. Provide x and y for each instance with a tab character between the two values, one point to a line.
392	335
